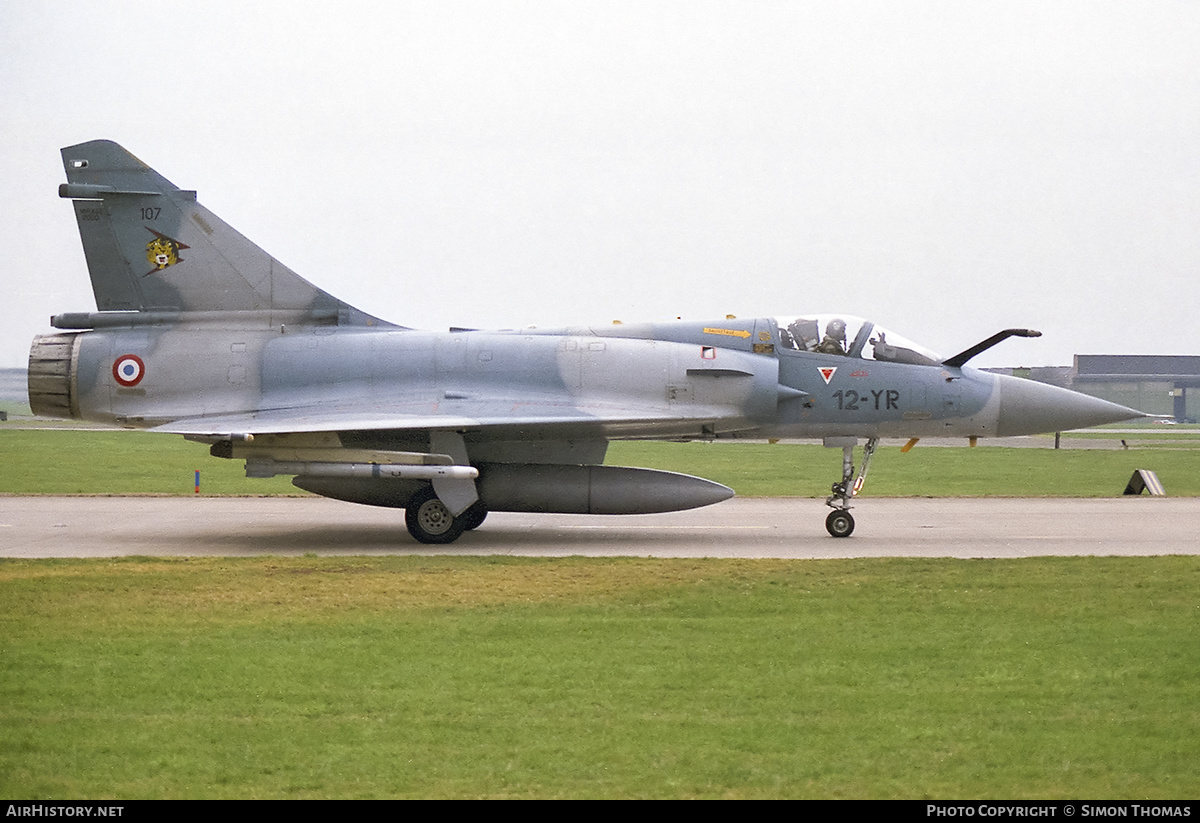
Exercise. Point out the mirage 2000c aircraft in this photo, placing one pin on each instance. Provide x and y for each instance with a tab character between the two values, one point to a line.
201	333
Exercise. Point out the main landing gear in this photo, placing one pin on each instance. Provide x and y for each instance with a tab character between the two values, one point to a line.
840	523
430	521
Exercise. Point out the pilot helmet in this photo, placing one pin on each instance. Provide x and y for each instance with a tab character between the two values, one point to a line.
836	329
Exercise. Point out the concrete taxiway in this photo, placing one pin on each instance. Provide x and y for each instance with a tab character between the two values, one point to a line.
742	527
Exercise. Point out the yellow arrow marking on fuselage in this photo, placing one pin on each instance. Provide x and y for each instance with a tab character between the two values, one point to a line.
729	332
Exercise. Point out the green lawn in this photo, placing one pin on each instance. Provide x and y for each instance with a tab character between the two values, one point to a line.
763	470
506	677
80	461
73	461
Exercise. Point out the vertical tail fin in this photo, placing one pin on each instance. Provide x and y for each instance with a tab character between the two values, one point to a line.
151	247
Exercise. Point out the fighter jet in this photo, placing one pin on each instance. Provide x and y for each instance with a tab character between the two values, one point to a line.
201	333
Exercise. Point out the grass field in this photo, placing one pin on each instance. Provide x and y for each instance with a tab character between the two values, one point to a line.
80	461
74	461
504	677
763	470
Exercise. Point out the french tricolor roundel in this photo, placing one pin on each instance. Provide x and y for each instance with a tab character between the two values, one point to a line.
827	373
128	370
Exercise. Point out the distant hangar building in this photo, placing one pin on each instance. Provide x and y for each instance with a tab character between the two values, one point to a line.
1160	384
1154	383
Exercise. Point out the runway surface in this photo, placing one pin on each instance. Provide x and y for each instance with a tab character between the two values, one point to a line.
742	527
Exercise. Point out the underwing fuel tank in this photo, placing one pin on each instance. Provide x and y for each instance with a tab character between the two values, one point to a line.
546	489
593	489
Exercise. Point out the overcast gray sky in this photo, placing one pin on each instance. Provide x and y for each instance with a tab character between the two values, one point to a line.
947	169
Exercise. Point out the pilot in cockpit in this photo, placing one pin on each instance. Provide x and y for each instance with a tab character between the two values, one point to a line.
834	341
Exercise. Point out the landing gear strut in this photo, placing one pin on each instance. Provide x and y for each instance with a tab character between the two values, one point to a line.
840	523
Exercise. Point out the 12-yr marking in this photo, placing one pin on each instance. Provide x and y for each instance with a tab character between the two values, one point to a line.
850	400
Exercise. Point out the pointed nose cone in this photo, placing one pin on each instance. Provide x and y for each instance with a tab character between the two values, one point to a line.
1029	407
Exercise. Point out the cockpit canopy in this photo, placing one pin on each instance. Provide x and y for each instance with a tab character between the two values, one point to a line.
850	337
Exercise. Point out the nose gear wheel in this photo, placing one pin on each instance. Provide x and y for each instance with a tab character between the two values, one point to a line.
840	523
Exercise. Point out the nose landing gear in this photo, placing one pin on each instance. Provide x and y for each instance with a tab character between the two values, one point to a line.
840	523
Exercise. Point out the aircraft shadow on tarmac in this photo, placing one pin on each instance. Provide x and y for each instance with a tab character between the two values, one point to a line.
374	539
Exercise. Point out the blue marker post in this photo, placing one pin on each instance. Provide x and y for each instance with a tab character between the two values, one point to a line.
197	481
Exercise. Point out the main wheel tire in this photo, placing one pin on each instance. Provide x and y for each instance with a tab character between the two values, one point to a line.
839	523
473	517
429	521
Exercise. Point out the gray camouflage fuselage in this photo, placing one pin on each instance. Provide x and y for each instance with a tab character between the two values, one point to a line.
654	376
